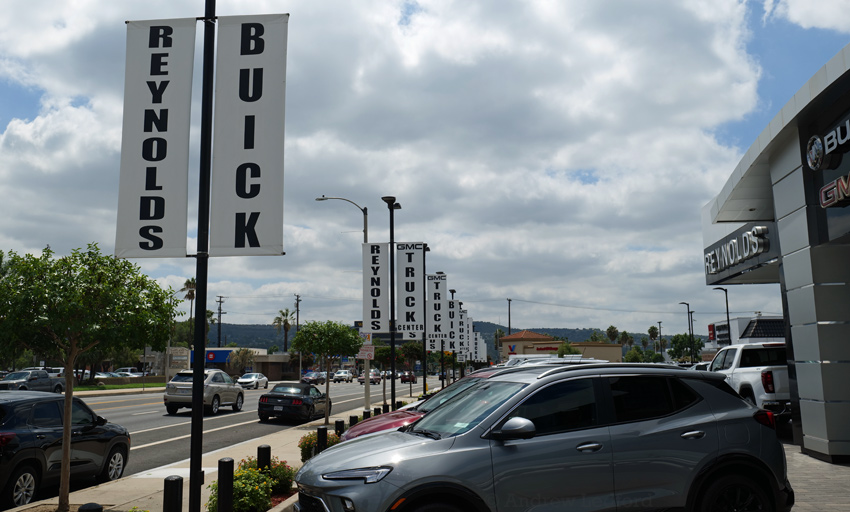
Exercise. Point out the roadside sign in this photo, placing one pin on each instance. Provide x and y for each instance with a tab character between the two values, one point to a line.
366	352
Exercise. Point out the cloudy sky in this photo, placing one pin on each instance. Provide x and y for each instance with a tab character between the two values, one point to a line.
553	152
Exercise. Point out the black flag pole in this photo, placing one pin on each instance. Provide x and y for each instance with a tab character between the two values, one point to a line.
196	474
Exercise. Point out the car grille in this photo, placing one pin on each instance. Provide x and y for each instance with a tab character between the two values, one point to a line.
307	503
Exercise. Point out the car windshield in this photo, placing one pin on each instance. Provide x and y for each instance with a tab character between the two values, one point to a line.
250	376
287	389
466	409
446	394
16	376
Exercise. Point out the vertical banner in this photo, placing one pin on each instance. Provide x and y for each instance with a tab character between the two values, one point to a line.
463	334
154	170
376	287
410	282
452	325
246	202
437	306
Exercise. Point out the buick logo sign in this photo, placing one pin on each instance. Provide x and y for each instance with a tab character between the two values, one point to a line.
814	153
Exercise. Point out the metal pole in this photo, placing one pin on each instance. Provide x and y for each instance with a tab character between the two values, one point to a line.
728	322
509	317
391	204
424	323
196	474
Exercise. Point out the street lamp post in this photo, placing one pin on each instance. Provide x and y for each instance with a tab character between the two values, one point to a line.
509	317
660	344
728	323
392	205
367	399
690	329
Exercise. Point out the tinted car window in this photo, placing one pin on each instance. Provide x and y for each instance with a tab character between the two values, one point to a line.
80	415
46	414
182	377
560	407
730	359
763	357
643	397
217	378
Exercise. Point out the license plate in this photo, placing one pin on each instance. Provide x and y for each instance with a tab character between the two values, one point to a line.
184	391
278	407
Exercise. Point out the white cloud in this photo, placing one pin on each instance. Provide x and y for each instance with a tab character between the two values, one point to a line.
828	14
551	151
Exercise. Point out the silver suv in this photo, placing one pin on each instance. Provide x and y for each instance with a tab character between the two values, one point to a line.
588	437
219	390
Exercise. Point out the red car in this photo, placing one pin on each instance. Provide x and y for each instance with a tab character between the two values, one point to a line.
396	419
408	377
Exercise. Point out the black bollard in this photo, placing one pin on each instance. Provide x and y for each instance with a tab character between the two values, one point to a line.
367	414
399	404
377	411
352	420
339	427
264	457
386	408
322	439
225	484
172	497
91	507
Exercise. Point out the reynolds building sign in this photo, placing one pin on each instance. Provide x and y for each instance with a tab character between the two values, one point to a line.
748	247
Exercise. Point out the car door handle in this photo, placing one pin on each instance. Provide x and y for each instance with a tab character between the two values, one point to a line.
589	447
693	434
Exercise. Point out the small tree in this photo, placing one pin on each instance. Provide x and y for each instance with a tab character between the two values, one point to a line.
240	359
326	340
283	321
566	348
64	307
411	351
612	333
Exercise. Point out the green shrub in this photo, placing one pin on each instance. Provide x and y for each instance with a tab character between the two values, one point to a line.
308	443
281	473
252	491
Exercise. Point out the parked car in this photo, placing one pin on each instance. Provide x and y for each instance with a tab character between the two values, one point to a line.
407	415
302	401
53	371
131	370
313	378
374	377
253	380
33	380
408	377
31	444
759	372
219	391
599	436
343	376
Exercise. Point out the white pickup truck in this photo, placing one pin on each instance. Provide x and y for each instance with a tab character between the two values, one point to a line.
759	373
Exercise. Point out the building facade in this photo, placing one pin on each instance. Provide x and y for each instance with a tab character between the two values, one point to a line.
782	218
536	344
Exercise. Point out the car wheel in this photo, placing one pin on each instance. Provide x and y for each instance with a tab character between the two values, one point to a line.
266	386
115	463
330	408
171	409
214	405
734	492
311	413
256	385
21	487
57	389
264	417
238	405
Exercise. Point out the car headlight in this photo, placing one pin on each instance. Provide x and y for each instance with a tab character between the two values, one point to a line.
368	475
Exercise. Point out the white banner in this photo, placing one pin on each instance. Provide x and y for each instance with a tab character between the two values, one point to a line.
463	336
154	172
410	290
376	288
246	204
437	307
452	325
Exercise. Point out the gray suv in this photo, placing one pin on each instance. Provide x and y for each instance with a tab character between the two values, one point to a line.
597	437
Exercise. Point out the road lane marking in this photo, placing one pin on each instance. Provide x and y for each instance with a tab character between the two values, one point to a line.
190	435
141	413
188	422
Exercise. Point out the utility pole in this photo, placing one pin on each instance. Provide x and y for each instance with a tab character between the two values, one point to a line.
220	301
297	327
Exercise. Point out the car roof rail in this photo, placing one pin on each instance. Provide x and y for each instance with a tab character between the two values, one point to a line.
568	368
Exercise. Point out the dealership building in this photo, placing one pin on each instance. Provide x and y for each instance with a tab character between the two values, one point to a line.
782	217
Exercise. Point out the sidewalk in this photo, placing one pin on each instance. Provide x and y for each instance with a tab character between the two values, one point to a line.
819	486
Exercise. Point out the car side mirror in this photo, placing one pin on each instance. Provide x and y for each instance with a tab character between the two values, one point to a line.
100	421
515	428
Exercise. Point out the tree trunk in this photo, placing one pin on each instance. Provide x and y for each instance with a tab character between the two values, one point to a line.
65	471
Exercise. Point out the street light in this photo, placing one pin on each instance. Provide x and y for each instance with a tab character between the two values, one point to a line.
659	335
690	329
728	323
392	205
367	399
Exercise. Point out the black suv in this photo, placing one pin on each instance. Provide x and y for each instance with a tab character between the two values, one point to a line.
31	444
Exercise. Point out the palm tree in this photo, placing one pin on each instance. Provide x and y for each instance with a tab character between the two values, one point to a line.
497	340
189	288
284	321
612	333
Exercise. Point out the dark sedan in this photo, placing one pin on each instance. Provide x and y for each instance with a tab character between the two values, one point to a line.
301	401
408	377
